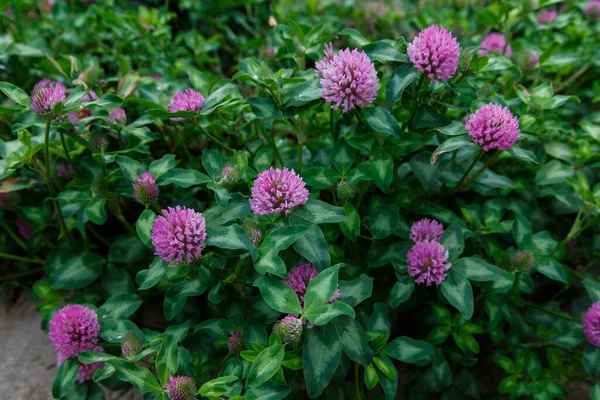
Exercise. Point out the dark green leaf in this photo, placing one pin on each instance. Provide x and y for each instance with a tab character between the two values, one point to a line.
382	121
400	79
278	295
458	291
144	226
78	271
141	378
183	178
408	350
65	378
320	357
266	365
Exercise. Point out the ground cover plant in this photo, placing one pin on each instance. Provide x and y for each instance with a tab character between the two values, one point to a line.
338	199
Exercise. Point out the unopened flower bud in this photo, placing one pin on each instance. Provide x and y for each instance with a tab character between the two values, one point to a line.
131	345
236	342
181	388
288	329
524	260
345	191
45	95
144	189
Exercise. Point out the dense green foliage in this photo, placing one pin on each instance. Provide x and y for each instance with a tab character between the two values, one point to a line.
494	326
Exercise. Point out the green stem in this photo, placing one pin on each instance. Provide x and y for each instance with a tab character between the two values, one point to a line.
64	145
218	370
547	310
332	122
18	258
116	209
357	381
572	236
179	139
48	173
14	236
20	275
214	139
415	102
300	148
468	171
485	166
271	139
17	14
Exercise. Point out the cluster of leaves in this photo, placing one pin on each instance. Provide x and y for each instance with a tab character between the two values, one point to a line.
492	327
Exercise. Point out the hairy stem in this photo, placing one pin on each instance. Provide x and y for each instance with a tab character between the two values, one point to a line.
50	185
214	139
468	171
18	258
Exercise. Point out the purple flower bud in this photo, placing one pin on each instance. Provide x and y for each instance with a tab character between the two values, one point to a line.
545	17
592	9
144	189
495	42
235	343
524	260
45	95
131	345
181	388
427	262
288	329
117	117
179	233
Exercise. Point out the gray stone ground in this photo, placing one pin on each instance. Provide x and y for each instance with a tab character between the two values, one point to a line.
28	361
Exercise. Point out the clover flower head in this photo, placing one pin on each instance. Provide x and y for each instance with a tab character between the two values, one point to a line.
349	80
74	329
591	324
118	116
427	262
181	388
45	95
545	17
592	9
144	189
288	329
190	100
179	233
493	127
495	42
426	229
276	191
435	52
